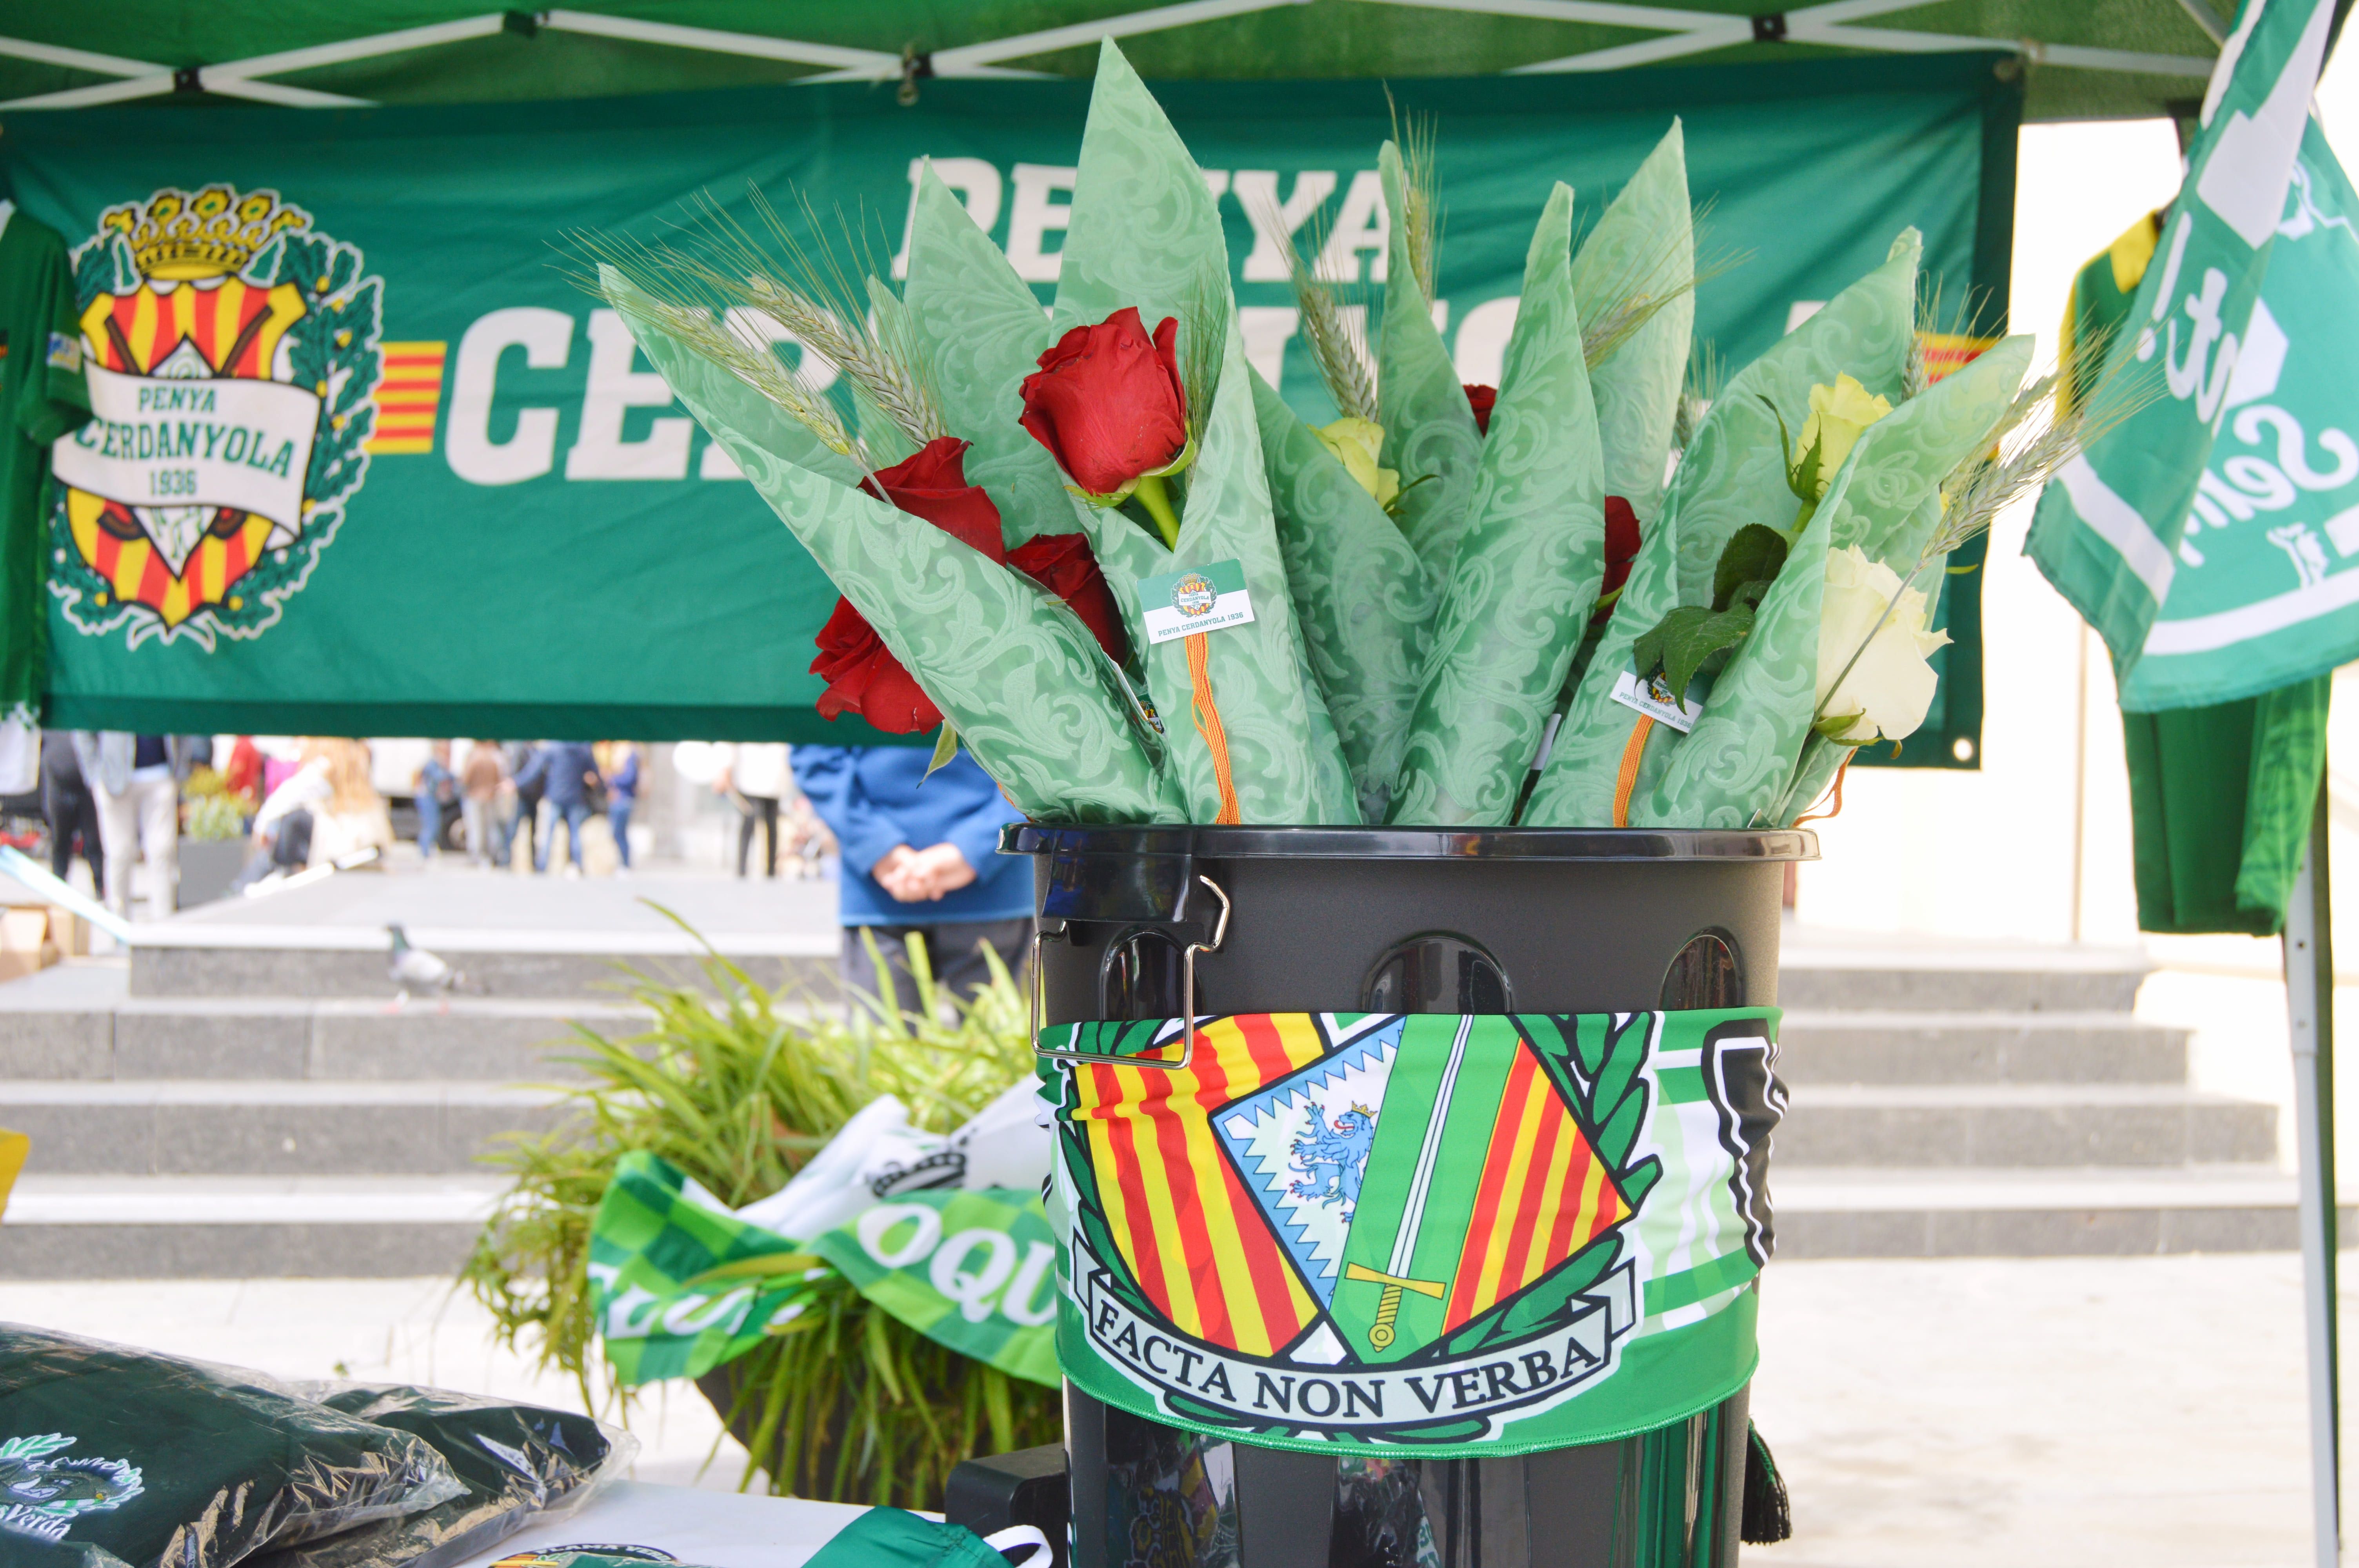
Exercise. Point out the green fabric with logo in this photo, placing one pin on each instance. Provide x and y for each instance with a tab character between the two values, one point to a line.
2220	796
42	396
683	1285
112	1455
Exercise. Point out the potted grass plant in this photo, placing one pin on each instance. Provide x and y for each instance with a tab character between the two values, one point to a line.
737	1084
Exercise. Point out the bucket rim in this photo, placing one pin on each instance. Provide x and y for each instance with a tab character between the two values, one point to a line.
1189	840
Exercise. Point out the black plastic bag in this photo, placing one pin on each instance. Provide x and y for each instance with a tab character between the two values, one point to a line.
518	1463
112	1454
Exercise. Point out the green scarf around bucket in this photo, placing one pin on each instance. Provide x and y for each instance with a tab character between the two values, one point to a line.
1413	1235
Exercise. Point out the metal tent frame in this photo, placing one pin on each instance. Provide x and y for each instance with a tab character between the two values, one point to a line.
1681	33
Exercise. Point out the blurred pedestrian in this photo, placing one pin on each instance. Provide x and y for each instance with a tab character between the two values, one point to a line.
621	768
436	791
482	782
757	777
353	817
243	774
530	785
567	773
808	840
136	781
919	863
70	808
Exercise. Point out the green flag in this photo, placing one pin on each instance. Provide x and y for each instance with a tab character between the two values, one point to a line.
2261	592
2109	530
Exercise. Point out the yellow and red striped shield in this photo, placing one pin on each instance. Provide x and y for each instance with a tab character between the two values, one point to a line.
1192	1236
230	329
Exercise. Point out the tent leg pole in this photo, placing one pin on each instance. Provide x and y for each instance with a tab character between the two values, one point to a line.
2309	1000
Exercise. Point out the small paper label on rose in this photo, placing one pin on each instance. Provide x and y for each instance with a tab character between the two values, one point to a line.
1653	699
1200	598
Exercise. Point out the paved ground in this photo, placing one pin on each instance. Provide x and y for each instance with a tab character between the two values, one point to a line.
2029	1412
2036	1413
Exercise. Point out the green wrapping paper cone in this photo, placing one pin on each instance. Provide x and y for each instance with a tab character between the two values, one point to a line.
1364	601
1732	768
1144	232
1732	473
1822	760
980	333
1893	504
1430	431
1735	471
1528	569
1643	247
1578	782
1014	670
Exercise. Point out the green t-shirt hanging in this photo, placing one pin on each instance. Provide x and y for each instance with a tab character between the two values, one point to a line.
43	396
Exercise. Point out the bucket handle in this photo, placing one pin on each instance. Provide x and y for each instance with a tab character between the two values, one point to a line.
1187	990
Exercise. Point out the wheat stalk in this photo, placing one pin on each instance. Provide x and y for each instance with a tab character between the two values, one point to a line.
1203	343
1338	347
1646	285
725	338
717	262
1420	206
2035	438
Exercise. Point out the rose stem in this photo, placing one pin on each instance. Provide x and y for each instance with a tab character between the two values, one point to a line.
1158	501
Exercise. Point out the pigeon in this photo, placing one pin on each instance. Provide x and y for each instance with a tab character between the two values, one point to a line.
417	967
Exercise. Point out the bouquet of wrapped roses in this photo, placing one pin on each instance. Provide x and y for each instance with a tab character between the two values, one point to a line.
1101	551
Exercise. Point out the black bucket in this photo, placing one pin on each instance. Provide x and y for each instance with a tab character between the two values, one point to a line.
1403	920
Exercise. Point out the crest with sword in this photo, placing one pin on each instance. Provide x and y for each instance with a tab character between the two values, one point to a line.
1394	1278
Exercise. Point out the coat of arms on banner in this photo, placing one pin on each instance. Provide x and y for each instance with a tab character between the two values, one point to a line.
233	359
1409	1231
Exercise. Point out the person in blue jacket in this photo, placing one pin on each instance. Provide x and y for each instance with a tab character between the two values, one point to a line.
918	857
566	773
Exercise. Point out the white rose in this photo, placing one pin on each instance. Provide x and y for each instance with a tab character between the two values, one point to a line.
1891	686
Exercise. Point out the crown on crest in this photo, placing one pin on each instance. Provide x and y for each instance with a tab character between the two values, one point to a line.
174	234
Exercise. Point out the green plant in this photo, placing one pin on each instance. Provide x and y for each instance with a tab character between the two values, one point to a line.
737	1084
215	816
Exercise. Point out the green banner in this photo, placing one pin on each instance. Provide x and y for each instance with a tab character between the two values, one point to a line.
683	1285
369	461
1449	1236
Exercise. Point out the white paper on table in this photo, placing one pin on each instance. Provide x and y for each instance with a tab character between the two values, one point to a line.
710	1529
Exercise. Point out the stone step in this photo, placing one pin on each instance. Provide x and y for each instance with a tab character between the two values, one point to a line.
199	959
71	1024
1816	1047
268	1128
1937	980
96	1227
1998	1124
2031	1212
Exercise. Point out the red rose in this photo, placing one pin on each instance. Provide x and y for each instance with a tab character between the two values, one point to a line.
1480	398
932	484
1621	549
1062	564
1107	402
865	678
862	676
